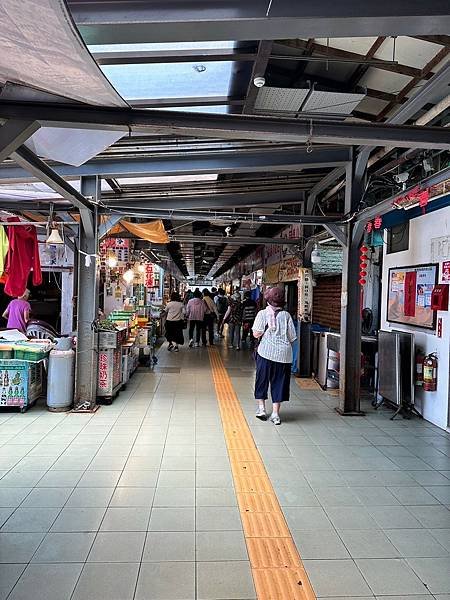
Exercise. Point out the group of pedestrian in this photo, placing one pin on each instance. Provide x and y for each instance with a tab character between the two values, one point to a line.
202	310
199	310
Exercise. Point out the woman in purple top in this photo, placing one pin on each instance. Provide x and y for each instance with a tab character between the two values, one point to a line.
195	312
18	312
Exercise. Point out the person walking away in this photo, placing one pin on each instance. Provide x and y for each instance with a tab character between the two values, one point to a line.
248	318
222	307
18	312
174	311
211	315
188	296
233	317
275	330
195	312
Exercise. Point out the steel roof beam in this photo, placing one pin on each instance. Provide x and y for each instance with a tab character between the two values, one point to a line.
112	22
210	200
13	134
233	217
140	57
231	126
37	167
235	161
186	101
235	241
258	70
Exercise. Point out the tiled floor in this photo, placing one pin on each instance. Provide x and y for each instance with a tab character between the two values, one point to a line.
137	501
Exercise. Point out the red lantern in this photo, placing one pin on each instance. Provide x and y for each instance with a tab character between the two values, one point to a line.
364	249
423	199
363	273
362	281
363	265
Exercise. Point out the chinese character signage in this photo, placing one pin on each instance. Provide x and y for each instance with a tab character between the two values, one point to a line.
149	275
103	371
446	271
305	295
289	269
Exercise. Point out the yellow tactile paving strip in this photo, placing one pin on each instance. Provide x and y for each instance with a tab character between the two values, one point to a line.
277	569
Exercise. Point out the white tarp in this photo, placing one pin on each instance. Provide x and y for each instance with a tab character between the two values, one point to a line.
71	146
41	48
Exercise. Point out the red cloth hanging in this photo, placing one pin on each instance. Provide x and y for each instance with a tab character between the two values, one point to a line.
410	291
23	255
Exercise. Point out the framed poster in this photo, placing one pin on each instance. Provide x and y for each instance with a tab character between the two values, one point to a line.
409	295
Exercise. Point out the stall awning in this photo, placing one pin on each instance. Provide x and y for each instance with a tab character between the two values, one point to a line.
154	231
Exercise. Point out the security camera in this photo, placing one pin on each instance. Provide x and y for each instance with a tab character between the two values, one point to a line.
401	177
259	82
427	165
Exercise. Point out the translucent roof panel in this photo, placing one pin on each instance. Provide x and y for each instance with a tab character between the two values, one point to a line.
220	109
170	80
159	47
37	190
167	179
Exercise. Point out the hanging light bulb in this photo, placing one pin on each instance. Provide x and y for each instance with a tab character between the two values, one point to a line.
111	260
141	268
54	237
315	255
128	276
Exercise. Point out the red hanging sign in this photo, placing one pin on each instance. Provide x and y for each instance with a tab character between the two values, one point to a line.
409	306
149	275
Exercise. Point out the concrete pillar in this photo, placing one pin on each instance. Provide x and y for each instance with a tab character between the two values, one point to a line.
87	304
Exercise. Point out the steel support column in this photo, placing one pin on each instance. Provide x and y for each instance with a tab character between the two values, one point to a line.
67	294
87	304
350	349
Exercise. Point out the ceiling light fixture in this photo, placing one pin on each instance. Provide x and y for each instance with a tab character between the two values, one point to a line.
128	276
315	255
54	237
111	260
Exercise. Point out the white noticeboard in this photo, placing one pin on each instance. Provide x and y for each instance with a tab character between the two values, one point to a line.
305	297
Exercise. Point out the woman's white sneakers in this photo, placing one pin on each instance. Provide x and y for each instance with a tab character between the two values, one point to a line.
261	414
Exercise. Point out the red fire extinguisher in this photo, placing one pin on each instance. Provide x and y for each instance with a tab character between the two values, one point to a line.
430	364
419	366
